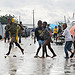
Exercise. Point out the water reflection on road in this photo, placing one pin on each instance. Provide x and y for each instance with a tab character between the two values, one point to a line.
14	64
28	65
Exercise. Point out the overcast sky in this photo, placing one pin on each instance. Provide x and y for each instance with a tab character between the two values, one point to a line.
46	10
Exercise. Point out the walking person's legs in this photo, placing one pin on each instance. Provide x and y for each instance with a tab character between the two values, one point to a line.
22	50
13	40
49	46
54	36
44	50
39	42
5	39
37	51
69	48
66	51
10	46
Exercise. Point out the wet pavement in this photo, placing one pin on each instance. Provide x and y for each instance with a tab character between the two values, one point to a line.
18	64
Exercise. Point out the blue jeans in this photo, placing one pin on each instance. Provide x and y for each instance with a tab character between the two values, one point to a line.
68	47
41	42
55	35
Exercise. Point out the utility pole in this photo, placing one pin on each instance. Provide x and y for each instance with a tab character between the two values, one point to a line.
65	19
33	19
33	27
19	19
73	15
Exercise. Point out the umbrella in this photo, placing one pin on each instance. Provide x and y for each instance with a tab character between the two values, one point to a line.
72	30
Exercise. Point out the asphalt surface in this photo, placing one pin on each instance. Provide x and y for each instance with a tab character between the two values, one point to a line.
18	64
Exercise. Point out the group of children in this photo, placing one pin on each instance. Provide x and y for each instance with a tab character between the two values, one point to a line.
42	33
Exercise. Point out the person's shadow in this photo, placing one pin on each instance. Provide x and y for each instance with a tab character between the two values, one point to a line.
43	66
13	65
67	67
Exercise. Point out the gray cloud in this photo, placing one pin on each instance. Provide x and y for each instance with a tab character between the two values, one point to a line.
49	10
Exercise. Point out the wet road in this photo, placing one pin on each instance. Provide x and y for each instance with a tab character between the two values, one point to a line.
28	65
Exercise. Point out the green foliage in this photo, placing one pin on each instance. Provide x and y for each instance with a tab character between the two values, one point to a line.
60	23
4	19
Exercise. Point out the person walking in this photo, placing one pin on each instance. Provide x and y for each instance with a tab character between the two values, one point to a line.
47	39
68	41
6	36
40	39
55	32
20	29
13	31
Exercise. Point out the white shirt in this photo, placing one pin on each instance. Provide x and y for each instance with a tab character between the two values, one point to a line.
67	35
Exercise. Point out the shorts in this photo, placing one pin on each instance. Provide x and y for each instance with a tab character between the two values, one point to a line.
13	40
41	42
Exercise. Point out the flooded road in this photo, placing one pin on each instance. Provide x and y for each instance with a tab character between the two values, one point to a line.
18	64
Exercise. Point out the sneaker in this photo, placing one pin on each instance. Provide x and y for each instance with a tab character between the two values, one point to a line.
23	51
48	56
36	56
8	53
72	55
42	57
66	57
54	56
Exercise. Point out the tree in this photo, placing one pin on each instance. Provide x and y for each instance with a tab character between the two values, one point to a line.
4	19
60	23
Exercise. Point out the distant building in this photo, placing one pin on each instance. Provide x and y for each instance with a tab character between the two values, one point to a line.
2	30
